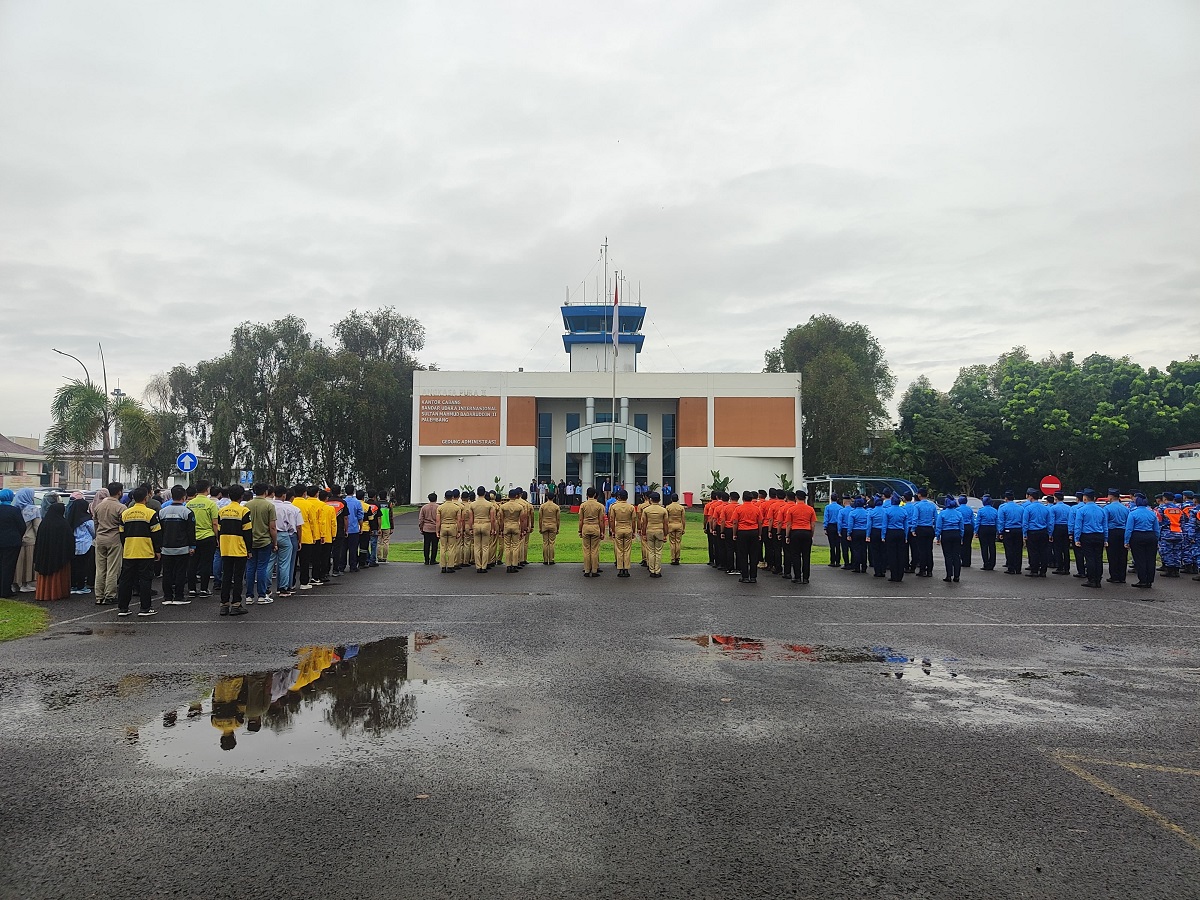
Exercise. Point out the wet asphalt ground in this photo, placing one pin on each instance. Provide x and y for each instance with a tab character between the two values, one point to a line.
562	736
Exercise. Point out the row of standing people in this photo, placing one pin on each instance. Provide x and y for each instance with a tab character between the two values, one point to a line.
771	530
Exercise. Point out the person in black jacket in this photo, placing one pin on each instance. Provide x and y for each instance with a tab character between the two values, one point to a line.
12	529
178	545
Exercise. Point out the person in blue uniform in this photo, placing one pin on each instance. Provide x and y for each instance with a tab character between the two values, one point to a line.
924	518
1008	522
829	522
1171	516
1035	523
1141	539
911	549
948	531
1078	551
1091	536
968	534
876	552
854	530
985	529
1060	534
843	530
1116	514
895	538
1189	534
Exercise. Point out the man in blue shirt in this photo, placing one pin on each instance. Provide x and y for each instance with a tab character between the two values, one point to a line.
354	519
1090	534
1116	514
985	528
1035	523
1060	534
1141	539
843	532
924	515
968	534
895	538
1008	522
829	521
876	552
1071	514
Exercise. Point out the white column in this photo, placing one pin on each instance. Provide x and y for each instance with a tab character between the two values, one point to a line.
589	411
624	410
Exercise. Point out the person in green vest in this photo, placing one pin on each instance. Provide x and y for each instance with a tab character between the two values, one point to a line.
385	528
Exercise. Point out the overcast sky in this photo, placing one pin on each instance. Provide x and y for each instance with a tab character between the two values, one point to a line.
960	177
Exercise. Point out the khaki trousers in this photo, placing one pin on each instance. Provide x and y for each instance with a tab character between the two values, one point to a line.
591	549
548	538
675	539
466	548
623	544
497	548
483	545
448	547
108	571
654	547
512	546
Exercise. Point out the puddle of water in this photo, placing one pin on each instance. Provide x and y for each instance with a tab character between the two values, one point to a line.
331	702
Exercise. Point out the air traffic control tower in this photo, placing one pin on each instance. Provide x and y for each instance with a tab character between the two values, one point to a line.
589	337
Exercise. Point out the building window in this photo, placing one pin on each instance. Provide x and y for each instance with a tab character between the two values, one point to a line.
668	445
572	467
603	416
641	421
572	422
543	447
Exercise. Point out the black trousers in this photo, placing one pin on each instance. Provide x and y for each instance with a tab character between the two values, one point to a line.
952	553
1144	548
1014	542
729	549
747	553
135	573
339	554
1079	562
322	560
1118	556
233	576
897	553
987	546
835	545
1038	544
876	552
858	550
1093	556
305	566
174	577
712	546
1060	550
83	569
799	553
430	549
200	564
968	536
8	570
924	548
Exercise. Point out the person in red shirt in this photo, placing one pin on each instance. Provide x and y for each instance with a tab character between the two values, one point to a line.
748	520
799	519
729	531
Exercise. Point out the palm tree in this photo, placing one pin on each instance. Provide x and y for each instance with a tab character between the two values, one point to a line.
84	416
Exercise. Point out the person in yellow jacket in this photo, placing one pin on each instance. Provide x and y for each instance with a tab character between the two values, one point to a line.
234	529
228	709
327	525
309	531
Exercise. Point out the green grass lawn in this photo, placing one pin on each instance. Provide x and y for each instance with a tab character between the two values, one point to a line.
569	549
19	619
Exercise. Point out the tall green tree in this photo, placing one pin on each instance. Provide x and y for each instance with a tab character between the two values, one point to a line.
846	384
84	418
952	447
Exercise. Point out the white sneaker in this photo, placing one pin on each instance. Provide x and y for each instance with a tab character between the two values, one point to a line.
315	583
306	587
182	602
168	603
266	599
249	601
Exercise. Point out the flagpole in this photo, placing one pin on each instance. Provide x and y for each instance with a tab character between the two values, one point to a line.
612	449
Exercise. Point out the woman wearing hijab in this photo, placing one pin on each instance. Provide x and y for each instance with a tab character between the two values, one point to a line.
53	554
12	528
83	530
32	517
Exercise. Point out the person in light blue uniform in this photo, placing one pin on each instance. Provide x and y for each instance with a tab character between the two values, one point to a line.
909	509
844	530
948	531
1091	536
855	531
985	529
829	521
1189	534
895	538
1116	514
924	519
968	535
1035	523
876	552
1060	535
1141	539
1078	551
1008	521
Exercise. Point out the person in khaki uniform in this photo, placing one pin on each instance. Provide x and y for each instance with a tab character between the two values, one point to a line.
676	526
466	536
449	523
592	522
514	520
548	522
497	549
653	521
643	502
622	520
527	529
108	544
480	524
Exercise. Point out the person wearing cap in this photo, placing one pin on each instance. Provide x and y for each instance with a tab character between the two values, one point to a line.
829	523
985	529
1035	523
1141	539
1115	515
1008	522
910	543
948	532
1189	534
968	535
1171	535
1060	534
924	521
798	520
876	552
895	538
1078	551
854	533
1091	536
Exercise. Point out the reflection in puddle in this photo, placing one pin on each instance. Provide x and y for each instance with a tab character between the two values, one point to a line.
331	701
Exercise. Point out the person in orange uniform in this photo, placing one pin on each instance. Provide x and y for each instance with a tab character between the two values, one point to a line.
798	519
676	526
729	513
710	529
747	521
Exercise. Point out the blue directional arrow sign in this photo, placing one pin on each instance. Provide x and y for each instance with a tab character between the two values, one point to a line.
186	462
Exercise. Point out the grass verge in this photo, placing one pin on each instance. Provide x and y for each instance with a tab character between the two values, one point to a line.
19	619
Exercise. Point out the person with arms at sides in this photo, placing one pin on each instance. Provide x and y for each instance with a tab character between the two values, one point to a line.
479	522
513	519
83	566
968	536
729	511
385	528
653	528
31	515
200	564
1060	535
1115	515
12	527
341	514
747	522
287	526
621	518
799	519
235	530
876	552
53	553
676	528
1035	524
178	546
985	529
1141	539
948	531
854	535
1091	536
1008	521
264	542
428	527
829	522
368	538
709	516
592	522
448	526
355	514
141	544
924	518
844	532
1072	512
549	516
895	538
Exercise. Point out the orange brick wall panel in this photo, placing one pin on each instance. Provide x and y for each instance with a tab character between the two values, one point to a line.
754	422
691	426
522	421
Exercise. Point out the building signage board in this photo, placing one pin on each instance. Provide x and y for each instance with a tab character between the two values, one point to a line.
459	421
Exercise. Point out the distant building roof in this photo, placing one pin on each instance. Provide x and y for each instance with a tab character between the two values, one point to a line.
1193	446
12	448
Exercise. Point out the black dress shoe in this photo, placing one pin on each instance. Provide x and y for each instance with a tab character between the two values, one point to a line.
947	578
